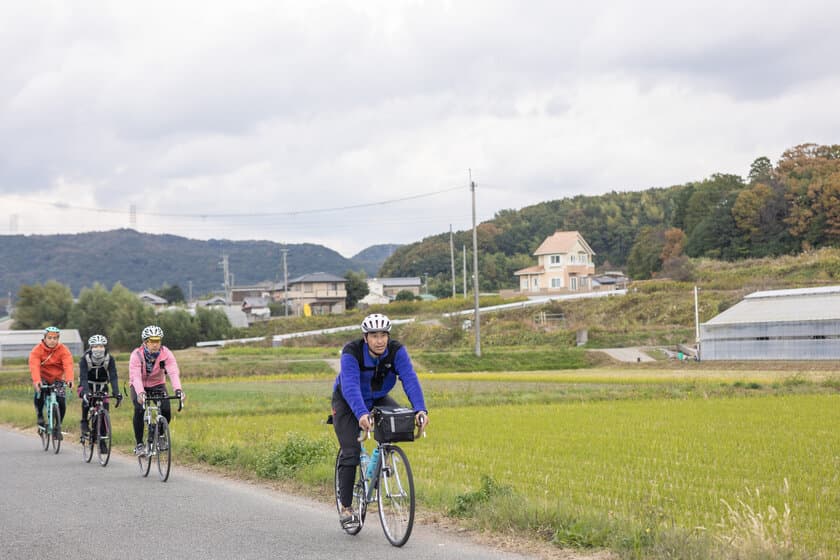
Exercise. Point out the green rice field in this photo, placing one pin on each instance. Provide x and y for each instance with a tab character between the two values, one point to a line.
647	463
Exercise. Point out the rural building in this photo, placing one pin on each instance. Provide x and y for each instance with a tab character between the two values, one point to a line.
239	293
322	292
154	300
799	324
564	265
390	287
18	344
256	309
385	290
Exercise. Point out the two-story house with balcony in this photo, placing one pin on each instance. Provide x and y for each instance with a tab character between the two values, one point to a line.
324	293
564	265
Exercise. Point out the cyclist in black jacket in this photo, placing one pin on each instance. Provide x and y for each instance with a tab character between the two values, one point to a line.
96	368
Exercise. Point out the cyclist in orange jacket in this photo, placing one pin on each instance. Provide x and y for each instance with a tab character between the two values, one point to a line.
50	361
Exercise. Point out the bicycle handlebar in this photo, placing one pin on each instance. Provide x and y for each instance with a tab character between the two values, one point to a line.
160	398
155	397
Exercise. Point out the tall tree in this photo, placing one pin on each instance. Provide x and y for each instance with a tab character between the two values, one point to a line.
179	329
810	175
213	324
39	306
761	170
356	287
646	255
172	294
94	312
130	317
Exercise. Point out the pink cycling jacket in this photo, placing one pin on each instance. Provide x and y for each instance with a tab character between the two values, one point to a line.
138	378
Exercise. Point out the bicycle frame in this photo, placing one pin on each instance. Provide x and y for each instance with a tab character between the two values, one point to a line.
48	431
97	411
157	430
391	485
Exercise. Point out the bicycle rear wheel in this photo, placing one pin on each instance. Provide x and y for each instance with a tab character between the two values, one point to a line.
395	494
164	448
103	437
56	435
87	441
359	504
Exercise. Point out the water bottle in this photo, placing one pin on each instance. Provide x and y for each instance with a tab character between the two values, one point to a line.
372	464
364	460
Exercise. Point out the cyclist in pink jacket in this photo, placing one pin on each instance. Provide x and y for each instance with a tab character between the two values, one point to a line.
147	369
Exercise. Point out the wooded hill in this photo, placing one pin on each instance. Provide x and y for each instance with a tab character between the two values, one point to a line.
778	209
142	261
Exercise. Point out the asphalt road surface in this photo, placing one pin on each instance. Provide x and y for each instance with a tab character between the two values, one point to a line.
57	506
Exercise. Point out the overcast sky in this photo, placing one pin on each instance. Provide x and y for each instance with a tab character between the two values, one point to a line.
349	124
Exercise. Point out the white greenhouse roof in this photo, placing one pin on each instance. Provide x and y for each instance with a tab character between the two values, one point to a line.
784	306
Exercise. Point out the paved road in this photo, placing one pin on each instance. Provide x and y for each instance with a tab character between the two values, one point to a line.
57	506
627	354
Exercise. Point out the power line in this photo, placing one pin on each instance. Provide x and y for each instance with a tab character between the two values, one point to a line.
133	212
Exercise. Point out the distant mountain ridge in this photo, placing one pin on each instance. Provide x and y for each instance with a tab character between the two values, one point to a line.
143	261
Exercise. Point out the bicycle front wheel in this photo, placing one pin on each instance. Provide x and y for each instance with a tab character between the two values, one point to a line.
87	441
56	435
145	461
44	432
395	494
164	448
103	437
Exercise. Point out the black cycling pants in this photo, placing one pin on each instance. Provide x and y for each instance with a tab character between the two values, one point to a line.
346	427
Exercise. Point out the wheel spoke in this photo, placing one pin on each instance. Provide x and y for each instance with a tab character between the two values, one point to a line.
396	496
164	448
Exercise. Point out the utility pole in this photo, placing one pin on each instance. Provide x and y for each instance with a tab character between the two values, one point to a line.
285	283
452	258
226	273
189	284
697	322
477	322
465	270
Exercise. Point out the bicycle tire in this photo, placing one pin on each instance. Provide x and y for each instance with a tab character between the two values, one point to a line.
44	432
56	435
164	456
145	462
359	504
103	437
87	442
395	495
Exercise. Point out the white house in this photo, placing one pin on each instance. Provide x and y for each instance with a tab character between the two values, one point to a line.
564	264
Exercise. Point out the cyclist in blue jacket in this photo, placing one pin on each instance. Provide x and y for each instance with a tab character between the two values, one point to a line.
369	370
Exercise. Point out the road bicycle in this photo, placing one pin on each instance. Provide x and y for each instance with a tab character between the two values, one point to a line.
387	480
50	432
158	442
99	435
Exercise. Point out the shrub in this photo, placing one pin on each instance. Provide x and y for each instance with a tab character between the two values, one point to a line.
297	452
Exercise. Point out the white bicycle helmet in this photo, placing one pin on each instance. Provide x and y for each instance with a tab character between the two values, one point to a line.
376	322
97	340
152	330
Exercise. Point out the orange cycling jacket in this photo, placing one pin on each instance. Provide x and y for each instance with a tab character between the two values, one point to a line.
50	364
